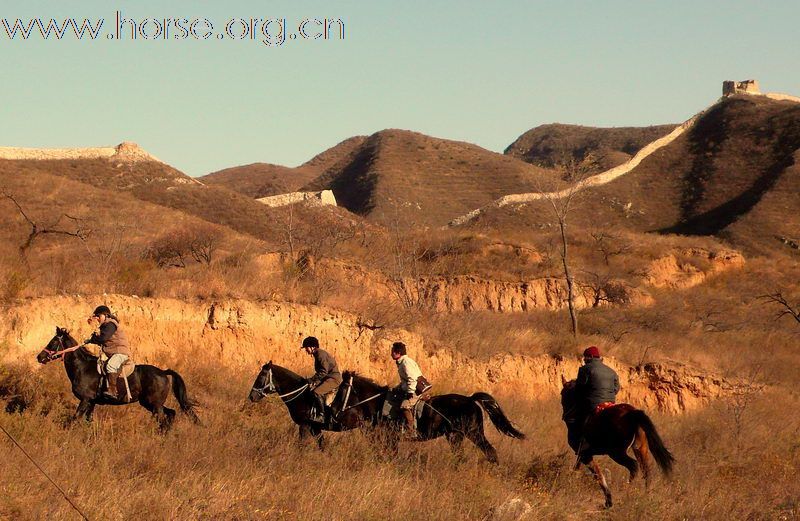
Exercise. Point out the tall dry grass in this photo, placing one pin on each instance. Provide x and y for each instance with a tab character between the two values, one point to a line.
246	462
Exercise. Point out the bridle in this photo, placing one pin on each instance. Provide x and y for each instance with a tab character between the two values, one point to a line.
270	388
58	354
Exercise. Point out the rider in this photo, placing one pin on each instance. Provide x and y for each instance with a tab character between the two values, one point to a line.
114	344
596	384
409	373
326	379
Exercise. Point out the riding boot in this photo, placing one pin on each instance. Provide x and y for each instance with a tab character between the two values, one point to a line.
317	413
112	391
411	430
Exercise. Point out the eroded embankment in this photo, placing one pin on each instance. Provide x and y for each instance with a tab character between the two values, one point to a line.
678	269
243	334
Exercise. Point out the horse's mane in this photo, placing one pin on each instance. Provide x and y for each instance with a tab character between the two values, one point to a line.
287	372
354	374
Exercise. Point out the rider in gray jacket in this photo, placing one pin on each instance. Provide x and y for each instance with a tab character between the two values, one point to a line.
596	383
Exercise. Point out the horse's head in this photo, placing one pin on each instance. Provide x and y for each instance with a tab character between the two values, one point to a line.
62	340
264	384
567	394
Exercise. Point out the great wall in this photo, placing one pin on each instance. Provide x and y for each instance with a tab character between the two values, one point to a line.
125	152
729	88
324	197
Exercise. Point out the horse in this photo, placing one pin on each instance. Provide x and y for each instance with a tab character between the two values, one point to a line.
148	385
612	432
360	402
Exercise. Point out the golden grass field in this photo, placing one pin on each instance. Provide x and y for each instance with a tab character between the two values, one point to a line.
246	462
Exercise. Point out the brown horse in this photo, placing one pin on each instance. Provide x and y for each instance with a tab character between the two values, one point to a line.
612	432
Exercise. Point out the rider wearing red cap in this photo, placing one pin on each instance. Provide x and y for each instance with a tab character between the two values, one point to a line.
596	384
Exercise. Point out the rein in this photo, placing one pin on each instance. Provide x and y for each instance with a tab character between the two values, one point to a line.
269	387
362	402
345	407
58	354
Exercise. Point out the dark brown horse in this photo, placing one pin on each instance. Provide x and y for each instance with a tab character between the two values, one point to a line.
359	403
149	385
612	432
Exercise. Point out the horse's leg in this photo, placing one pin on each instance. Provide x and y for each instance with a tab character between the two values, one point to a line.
621	457
168	419
479	439
89	411
598	475
317	433
159	413
642	453
455	440
81	412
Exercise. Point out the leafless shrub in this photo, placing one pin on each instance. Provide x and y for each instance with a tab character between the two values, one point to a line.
54	227
787	309
610	245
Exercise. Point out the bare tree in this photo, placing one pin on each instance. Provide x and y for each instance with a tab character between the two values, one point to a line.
609	245
54	228
787	308
561	204
599	287
203	242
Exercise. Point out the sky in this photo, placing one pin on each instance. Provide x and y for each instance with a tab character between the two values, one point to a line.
475	71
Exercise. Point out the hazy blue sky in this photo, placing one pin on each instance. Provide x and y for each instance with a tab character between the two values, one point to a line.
477	71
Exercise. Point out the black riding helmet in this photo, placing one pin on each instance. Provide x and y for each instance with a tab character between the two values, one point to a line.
310	341
101	310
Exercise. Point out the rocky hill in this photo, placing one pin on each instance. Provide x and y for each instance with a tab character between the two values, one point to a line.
577	148
264	179
418	180
731	174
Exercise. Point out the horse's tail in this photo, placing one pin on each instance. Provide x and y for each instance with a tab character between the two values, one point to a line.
179	390
496	414
661	454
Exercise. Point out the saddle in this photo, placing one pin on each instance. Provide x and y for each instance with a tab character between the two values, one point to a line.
124	372
602	407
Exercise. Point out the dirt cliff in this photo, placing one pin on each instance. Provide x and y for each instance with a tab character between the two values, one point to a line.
244	334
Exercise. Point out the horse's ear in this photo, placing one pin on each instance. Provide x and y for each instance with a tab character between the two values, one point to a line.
563	381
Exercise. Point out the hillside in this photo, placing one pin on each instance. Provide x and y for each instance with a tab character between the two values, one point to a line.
586	149
160	184
264	179
731	175
418	180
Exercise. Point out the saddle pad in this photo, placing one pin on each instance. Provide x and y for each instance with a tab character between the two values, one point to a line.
419	408
127	368
603	406
125	371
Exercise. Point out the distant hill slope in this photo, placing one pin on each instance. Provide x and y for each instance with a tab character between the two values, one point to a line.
588	149
418	180
732	175
158	183
108	215
264	179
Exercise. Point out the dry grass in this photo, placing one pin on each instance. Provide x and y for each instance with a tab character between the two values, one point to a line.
245	462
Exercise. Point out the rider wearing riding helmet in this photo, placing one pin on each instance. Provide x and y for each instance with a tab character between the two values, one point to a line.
326	379
114	344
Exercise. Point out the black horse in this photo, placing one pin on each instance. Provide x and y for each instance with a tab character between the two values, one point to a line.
612	432
149	385
359	402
